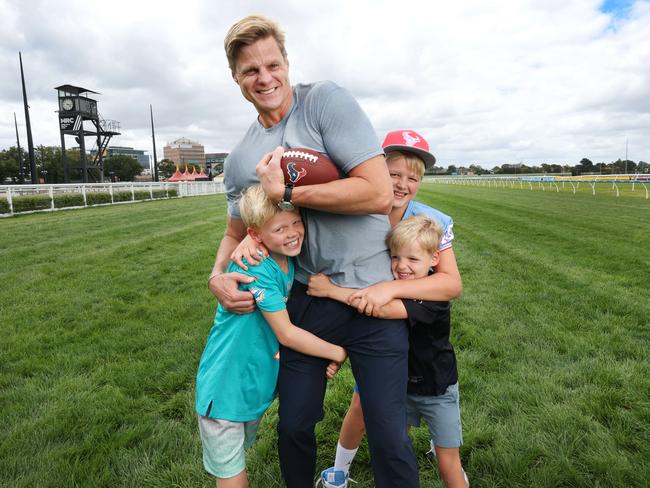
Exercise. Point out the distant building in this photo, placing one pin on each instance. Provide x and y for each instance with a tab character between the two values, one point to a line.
215	162
184	151
136	154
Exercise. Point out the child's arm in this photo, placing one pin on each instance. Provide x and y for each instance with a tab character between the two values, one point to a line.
300	340
443	285
321	286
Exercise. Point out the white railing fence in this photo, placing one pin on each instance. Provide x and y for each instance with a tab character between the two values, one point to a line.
550	182
16	199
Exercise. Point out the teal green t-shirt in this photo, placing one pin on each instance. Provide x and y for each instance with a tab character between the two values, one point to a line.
238	371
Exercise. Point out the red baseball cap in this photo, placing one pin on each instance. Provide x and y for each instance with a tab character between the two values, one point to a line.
409	141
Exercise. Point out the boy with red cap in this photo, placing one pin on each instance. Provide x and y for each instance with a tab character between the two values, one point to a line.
433	377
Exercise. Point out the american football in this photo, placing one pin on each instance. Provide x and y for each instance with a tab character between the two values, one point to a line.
302	166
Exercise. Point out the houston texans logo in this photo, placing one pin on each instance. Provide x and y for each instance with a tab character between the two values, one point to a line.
409	139
294	174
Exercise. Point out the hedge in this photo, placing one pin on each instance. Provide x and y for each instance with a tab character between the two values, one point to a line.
69	200
31	202
40	202
122	196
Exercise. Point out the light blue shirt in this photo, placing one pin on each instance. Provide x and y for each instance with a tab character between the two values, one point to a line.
444	220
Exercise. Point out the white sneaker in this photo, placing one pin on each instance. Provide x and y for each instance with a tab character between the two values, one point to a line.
333	478
432	450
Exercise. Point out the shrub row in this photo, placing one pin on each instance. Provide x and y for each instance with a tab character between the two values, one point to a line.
40	202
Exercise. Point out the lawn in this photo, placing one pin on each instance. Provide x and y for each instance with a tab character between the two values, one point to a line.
104	313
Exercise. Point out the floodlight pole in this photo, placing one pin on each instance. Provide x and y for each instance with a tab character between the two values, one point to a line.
626	155
30	143
153	138
21	169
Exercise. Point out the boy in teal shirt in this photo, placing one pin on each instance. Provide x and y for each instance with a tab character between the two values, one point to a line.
237	374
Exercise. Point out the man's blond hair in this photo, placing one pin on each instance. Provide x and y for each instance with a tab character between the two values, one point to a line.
256	208
413	162
419	228
248	31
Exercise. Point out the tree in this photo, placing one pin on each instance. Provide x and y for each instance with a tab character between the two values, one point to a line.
586	165
121	167
451	169
9	165
166	168
477	169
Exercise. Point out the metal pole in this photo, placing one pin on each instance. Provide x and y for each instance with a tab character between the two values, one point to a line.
82	152
30	142
153	138
626	155
64	155
21	169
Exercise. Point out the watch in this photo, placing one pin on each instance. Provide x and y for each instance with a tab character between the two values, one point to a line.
285	203
67	104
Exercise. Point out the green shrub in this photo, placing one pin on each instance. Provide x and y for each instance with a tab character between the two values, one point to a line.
4	206
172	192
69	200
122	196
31	202
159	194
98	197
142	195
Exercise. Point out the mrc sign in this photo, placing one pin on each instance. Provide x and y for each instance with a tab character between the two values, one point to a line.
70	122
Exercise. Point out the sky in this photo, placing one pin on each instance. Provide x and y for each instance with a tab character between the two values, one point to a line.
487	83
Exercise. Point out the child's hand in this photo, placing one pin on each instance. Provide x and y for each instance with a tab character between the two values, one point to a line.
333	367
319	285
250	250
371	299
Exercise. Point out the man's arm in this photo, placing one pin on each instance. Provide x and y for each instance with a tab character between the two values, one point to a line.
225	286
368	188
301	340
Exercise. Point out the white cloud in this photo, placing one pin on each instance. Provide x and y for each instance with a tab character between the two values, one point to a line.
485	82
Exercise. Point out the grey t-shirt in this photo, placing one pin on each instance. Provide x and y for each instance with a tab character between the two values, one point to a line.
324	117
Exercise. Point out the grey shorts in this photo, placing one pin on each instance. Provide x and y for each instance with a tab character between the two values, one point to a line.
224	444
442	415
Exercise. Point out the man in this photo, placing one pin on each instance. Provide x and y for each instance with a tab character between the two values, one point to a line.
344	239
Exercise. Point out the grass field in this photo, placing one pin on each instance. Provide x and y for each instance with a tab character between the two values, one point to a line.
104	313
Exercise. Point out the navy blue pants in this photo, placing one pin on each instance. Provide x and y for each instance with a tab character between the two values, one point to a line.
378	352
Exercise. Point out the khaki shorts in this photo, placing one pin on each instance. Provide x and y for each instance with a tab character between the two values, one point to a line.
441	413
224	444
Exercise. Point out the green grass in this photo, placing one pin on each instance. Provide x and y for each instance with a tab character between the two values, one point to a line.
104	313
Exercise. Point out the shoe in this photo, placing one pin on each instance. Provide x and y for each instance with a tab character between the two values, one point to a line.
333	478
432	451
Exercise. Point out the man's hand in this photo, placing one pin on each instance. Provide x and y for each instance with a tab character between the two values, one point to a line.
270	174
368	300
251	250
226	288
319	286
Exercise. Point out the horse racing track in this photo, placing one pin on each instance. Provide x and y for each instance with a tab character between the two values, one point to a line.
104	313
